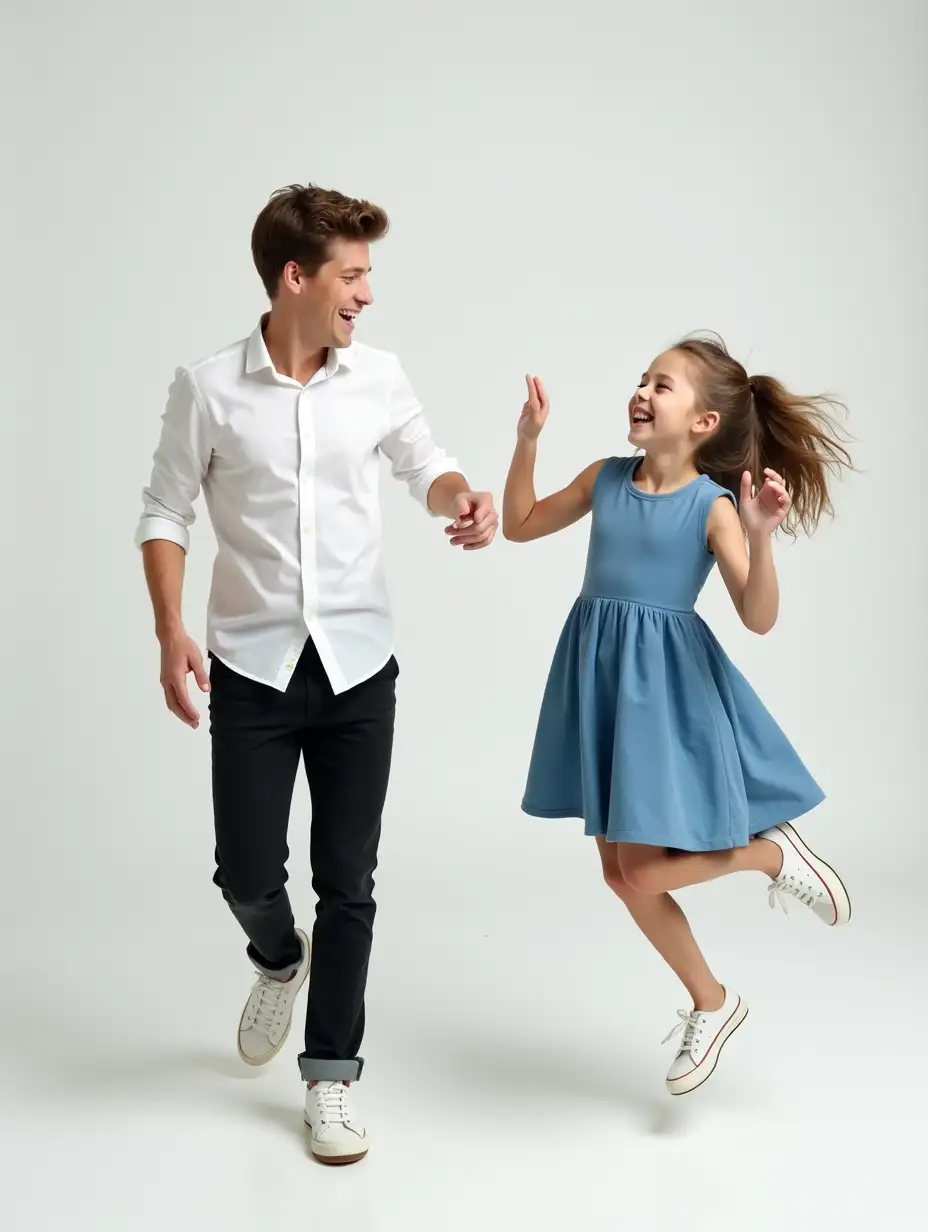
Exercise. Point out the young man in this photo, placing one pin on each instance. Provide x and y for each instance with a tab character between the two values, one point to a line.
283	432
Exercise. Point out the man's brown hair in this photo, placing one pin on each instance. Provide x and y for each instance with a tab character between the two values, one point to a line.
298	223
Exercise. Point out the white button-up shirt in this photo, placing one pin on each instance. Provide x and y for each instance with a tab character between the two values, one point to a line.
290	474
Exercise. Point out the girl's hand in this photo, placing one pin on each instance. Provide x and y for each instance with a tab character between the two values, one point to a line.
763	511
535	410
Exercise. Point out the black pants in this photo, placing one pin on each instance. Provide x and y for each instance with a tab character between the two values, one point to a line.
346	741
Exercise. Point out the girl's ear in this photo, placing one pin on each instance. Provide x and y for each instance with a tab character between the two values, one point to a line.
706	422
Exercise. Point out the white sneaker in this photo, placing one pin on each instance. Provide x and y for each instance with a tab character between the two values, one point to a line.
265	1022
336	1139
704	1037
806	877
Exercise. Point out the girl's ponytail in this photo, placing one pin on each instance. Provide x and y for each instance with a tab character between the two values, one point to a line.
762	424
796	437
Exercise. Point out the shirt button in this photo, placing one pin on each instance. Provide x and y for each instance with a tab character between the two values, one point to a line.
289	667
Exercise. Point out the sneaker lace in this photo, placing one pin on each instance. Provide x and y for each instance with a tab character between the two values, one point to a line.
268	996
689	1025
332	1102
789	887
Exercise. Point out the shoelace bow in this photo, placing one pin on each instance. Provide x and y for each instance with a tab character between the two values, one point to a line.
783	888
690	1022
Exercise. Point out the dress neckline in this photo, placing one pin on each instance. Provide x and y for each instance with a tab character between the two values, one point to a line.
654	496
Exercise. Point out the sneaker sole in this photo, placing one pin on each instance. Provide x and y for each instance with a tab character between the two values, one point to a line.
694	1080
332	1160
257	1062
837	890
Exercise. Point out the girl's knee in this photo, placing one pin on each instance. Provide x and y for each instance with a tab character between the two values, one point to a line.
615	881
644	878
612	870
630	875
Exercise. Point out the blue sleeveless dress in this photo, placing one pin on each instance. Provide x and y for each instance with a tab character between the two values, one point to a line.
647	730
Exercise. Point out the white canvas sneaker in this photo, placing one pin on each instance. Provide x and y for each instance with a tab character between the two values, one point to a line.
807	878
335	1137
704	1036
265	1022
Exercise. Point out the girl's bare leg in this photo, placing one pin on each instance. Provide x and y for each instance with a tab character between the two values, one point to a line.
655	870
663	923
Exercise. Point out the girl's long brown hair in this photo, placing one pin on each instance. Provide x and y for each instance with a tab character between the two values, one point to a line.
762	424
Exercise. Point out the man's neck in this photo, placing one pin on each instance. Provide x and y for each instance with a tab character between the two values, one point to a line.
291	354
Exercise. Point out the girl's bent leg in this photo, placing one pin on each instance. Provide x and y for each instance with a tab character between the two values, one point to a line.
655	870
662	921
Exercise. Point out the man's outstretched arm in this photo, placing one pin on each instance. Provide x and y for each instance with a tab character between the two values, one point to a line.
433	478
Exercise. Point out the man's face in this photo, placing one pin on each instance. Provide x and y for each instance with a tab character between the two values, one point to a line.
329	301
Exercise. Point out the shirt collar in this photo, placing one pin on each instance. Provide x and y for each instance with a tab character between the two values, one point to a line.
257	358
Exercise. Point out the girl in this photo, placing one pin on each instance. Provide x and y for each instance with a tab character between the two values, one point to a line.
647	730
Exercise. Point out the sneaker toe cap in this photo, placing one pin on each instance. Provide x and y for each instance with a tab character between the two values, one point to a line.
337	1140
254	1044
683	1066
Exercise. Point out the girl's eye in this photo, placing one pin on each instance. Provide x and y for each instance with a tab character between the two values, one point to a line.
660	387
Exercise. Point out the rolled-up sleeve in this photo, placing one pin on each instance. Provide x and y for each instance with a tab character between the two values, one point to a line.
415	458
180	464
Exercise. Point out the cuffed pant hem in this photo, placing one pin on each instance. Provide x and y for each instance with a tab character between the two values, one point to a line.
283	974
312	1069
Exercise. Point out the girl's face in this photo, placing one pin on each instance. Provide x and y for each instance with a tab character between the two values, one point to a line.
663	412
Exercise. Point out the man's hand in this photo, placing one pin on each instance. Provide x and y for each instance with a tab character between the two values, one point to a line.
476	522
180	656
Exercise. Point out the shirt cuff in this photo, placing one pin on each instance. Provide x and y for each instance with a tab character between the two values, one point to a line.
162	528
422	484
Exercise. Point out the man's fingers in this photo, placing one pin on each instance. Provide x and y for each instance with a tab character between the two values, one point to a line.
489	520
480	538
473	510
463	508
479	522
179	712
178	699
201	675
485	526
483	542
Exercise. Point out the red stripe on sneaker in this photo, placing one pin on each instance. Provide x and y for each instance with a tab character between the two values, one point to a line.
813	870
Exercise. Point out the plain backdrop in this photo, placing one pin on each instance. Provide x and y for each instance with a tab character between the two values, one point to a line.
571	187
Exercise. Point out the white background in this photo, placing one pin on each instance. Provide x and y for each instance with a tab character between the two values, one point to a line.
571	187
